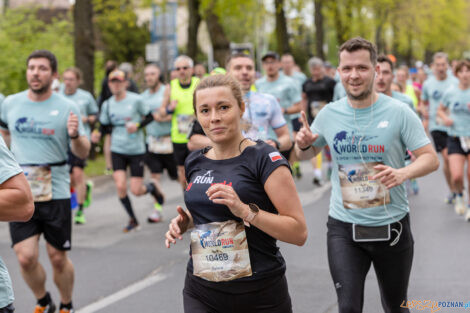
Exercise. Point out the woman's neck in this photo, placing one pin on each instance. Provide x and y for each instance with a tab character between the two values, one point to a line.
228	149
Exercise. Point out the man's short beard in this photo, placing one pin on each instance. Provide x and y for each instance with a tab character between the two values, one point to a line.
361	96
44	89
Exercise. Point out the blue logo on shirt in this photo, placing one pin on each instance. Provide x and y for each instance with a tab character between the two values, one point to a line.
25	125
436	95
345	143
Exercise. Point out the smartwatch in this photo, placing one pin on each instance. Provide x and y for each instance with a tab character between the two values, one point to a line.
254	210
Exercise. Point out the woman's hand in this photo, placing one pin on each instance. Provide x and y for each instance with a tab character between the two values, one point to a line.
177	227
226	195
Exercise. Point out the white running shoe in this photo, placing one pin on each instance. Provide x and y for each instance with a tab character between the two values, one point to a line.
459	205
467	216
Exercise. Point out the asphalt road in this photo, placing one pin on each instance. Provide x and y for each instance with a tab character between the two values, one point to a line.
117	272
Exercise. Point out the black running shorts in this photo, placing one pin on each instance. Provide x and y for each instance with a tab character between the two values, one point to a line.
51	218
135	162
454	146
181	152
75	161
440	140
158	162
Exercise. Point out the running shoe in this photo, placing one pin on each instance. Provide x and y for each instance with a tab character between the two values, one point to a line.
317	182
50	308
67	310
459	205
155	191
155	217
80	218
450	199
89	189
296	170
133	225
467	216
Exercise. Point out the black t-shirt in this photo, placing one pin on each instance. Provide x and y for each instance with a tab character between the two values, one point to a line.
321	90
247	174
196	129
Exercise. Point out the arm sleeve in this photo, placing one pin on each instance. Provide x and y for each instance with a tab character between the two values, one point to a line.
412	130
267	160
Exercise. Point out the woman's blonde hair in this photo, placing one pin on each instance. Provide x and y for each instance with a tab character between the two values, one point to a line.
220	80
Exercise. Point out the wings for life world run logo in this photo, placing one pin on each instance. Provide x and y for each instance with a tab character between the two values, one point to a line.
343	142
31	126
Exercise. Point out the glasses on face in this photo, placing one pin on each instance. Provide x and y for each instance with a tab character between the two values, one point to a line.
182	68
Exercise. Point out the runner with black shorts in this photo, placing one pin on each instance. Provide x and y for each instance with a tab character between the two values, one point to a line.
456	100
121	115
431	96
368	219
88	110
246	189
178	103
43	125
159	146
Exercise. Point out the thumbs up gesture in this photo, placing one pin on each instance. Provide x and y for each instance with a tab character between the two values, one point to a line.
305	138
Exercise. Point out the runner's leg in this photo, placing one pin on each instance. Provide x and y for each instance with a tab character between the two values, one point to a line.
63	272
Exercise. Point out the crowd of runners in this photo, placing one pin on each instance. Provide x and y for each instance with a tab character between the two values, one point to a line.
233	139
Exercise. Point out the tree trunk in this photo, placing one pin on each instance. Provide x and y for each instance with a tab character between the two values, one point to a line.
319	31
193	26
84	42
282	35
220	42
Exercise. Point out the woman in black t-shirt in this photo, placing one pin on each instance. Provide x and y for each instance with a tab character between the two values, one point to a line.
241	199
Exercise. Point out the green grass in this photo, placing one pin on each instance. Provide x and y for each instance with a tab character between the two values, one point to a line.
95	167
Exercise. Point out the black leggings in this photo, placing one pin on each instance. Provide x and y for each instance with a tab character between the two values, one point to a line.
350	261
273	298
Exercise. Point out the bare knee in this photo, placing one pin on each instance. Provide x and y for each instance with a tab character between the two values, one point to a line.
27	260
136	190
58	260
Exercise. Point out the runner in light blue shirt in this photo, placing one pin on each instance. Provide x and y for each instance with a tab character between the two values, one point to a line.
431	96
85	102
339	91
124	115
159	146
456	101
368	134
41	126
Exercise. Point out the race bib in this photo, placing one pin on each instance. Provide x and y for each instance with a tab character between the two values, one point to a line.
184	123
465	143
316	106
40	181
160	145
220	251
358	189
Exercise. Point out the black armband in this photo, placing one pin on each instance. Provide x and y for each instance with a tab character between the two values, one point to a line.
3	124
106	129
147	120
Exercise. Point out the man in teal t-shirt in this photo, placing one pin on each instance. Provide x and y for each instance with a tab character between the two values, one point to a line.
41	126
159	146
88	110
20	207
368	140
431	96
124	115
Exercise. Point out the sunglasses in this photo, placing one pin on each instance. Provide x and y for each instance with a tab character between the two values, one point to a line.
182	68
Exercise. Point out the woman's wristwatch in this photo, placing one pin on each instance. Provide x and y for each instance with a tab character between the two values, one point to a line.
254	210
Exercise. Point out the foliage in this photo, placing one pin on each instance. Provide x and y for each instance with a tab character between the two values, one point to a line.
124	40
21	32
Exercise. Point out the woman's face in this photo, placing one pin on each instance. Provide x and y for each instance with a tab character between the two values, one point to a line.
218	113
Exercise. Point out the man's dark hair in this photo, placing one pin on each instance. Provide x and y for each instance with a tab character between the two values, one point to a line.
236	56
359	43
44	54
383	58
